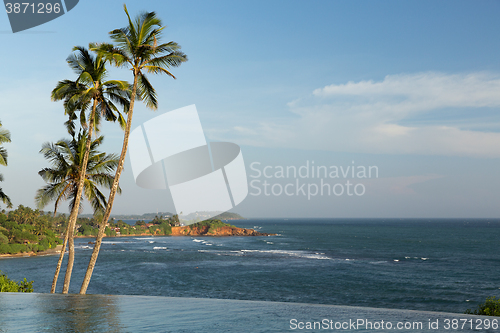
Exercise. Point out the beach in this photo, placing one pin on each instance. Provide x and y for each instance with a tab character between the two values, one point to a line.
56	250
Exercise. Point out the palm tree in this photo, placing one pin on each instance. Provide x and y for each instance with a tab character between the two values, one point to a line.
88	91
4	137
66	157
136	46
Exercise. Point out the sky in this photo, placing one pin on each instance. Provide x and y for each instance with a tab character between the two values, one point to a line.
408	88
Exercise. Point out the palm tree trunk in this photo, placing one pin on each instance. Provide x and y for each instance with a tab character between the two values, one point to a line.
76	207
59	262
112	194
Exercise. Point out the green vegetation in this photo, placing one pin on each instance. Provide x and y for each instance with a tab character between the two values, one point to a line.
158	226
146	216
89	92
229	216
4	137
65	157
212	224
7	285
25	230
139	47
489	308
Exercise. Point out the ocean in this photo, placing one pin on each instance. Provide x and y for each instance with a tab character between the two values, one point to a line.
444	265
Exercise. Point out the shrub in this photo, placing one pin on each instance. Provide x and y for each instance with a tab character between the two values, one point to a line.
489	308
166	228
212	224
7	285
5	248
45	243
3	239
17	248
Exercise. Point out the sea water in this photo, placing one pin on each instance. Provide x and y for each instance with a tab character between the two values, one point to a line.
445	265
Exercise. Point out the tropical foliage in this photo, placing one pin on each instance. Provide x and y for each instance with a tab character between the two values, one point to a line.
8	285
4	137
135	46
489	308
91	90
27	230
212	225
66	158
88	91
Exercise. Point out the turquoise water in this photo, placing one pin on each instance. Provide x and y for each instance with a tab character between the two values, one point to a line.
430	265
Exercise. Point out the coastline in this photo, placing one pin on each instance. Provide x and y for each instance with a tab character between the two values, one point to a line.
176	232
53	251
198	232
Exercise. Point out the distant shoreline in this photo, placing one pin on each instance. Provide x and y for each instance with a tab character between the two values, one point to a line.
226	231
185	231
56	250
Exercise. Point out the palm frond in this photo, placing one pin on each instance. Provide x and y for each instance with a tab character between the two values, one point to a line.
173	59
3	156
5	199
4	135
146	92
62	177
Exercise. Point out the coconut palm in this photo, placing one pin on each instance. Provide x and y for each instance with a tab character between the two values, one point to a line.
66	157
4	137
137	47
88	93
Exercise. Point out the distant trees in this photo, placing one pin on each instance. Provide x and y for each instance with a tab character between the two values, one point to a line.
212	225
25	230
172	221
140	223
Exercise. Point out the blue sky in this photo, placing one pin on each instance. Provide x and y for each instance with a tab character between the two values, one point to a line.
412	87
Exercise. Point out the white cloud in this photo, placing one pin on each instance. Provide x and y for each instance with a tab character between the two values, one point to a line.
373	117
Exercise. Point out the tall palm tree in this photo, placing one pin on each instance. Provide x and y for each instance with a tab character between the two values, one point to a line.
4	137
66	157
88	91
136	46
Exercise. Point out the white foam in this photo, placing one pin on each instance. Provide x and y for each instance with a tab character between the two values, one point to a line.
299	254
159	248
